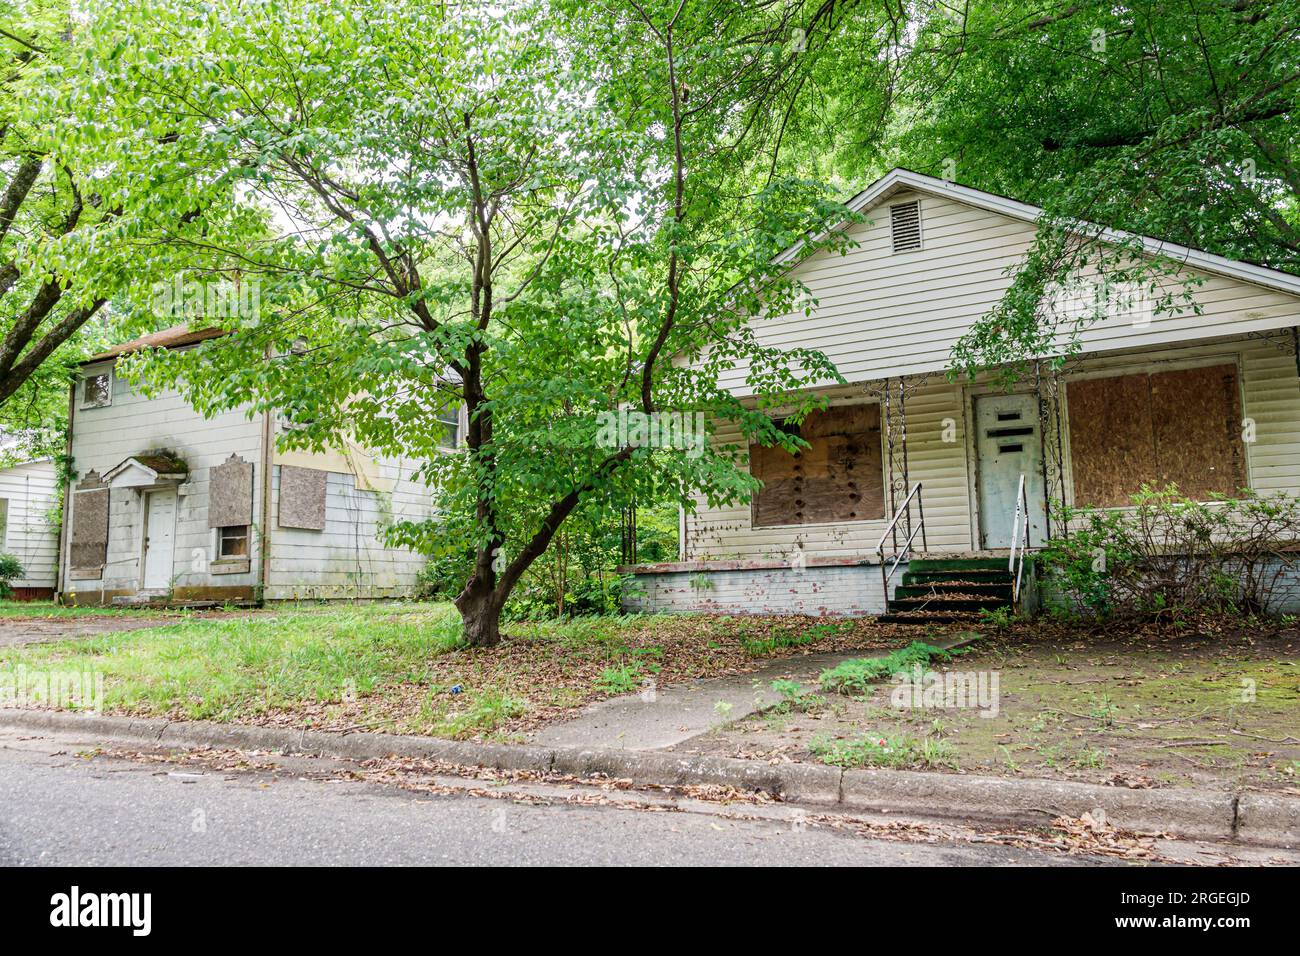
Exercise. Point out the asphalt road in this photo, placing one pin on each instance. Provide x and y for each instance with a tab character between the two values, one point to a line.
58	808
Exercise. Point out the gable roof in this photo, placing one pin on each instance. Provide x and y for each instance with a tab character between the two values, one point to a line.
173	338
154	465
899	180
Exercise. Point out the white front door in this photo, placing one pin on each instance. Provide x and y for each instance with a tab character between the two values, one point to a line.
1008	445
159	539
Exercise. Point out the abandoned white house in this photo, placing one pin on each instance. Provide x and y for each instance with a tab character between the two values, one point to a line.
1208	398
168	505
29	523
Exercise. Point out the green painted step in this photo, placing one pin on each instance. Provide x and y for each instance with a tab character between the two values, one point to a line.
940	577
944	606
959	564
986	589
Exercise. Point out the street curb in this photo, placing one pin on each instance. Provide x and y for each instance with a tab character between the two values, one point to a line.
1247	817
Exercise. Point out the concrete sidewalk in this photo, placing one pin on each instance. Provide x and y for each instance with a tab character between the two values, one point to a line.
657	718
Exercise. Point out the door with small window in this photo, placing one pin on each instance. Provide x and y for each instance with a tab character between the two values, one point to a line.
1008	445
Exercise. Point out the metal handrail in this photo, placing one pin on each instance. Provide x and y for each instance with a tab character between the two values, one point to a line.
1016	562
891	533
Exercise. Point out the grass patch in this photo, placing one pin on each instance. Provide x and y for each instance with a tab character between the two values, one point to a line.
794	699
895	752
222	668
403	667
482	716
855	677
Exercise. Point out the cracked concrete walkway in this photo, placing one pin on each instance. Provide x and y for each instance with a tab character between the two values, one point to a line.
670	715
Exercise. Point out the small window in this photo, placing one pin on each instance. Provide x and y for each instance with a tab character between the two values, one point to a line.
905	225
97	390
232	542
451	435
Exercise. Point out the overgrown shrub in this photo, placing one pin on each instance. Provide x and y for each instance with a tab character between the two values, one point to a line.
11	569
444	576
1168	555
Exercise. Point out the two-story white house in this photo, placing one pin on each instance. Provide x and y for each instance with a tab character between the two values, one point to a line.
166	505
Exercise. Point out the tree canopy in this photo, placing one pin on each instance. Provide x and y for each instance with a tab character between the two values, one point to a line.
559	215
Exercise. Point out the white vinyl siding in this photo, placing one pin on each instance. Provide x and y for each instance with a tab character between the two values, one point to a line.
132	425
881	314
29	491
349	558
1271	397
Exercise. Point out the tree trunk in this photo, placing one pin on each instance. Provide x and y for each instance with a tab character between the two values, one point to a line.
480	614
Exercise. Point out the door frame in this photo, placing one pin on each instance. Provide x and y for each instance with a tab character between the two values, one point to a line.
145	497
973	392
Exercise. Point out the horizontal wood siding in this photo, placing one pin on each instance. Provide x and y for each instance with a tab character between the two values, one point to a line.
104	437
941	466
30	536
348	558
1270	395
881	314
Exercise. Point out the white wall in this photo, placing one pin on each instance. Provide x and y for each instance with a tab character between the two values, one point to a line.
30	489
1270	396
348	558
882	314
104	437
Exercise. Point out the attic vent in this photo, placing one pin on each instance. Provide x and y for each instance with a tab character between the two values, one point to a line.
905	225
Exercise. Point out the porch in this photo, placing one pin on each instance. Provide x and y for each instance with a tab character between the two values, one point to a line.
915	468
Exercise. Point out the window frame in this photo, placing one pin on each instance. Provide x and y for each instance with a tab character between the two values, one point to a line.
779	415
1234	357
223	535
87	377
458	423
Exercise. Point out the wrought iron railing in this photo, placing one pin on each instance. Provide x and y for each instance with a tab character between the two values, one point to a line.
1019	542
903	514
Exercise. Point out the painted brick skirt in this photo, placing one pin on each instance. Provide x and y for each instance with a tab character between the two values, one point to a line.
853	589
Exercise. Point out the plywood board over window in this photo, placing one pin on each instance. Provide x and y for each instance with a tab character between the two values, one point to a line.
839	478
88	545
1180	426
302	498
230	493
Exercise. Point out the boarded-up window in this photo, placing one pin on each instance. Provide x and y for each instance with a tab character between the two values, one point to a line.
88	548
230	493
302	498
839	478
1181	427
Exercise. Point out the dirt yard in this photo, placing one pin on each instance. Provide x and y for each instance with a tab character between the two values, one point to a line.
33	622
1217	708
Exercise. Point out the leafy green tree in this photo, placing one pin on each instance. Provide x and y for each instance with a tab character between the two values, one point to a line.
79	224
537	211
1168	118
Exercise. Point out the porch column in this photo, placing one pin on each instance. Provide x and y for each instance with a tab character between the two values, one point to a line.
893	393
1047	387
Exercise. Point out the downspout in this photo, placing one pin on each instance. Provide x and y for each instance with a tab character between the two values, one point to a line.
265	559
66	478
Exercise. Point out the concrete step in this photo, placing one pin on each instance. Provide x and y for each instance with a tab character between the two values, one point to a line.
946	605
944	577
941	588
957	564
